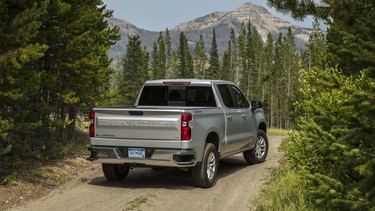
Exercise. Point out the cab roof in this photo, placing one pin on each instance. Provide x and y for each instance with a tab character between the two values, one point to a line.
185	82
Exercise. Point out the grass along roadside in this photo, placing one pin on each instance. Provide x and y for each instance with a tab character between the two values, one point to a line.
286	189
277	132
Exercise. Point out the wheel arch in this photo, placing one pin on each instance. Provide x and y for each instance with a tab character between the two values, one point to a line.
213	138
263	126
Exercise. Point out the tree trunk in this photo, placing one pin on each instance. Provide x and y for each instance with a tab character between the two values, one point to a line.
72	121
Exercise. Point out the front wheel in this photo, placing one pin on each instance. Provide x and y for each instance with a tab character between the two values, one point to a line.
260	151
205	173
115	172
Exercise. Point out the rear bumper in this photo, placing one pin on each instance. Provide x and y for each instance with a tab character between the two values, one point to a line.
154	157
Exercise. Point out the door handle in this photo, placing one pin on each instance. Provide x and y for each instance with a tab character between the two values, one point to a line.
243	116
229	117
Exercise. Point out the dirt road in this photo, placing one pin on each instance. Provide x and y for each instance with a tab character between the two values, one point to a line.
169	189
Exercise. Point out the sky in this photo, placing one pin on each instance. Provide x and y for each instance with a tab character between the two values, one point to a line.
157	15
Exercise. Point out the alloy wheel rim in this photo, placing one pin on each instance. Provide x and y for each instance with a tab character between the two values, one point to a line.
260	148
211	165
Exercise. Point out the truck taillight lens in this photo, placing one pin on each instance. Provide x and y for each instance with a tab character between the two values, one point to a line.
185	128
92	124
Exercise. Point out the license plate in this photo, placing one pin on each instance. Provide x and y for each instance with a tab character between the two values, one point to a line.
136	153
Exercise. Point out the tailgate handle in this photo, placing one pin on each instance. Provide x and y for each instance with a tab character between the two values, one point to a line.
136	113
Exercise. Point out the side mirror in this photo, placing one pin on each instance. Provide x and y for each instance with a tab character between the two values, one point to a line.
255	104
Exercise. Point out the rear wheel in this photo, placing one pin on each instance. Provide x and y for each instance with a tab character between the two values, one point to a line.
205	174
260	151
115	172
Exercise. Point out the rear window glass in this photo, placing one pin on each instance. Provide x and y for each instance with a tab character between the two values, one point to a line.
177	96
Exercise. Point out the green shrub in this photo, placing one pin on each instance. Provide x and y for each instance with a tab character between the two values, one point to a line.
334	147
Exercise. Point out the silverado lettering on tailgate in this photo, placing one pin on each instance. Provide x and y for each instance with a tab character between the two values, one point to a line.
147	123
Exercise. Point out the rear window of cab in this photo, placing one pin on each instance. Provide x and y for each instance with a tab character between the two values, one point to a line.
177	96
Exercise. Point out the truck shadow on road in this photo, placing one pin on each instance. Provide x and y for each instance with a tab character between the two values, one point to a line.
169	178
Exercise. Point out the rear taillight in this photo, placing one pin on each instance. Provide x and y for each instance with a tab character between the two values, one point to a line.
185	128
92	124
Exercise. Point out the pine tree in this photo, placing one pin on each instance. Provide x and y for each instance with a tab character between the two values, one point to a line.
234	57
334	150
162	63
135	71
291	71
190	65
78	40
174	65
248	62
257	69
19	80
111	97
241	57
227	63
350	37
185	59
182	56
278	78
267	77
351	42
168	53
200	59
154	66
50	48
159	58
89	40
316	49
214	65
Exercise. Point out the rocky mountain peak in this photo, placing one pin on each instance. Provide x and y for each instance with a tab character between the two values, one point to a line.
222	22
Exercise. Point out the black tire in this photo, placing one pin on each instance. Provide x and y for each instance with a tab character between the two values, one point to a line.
115	172
205	173
259	153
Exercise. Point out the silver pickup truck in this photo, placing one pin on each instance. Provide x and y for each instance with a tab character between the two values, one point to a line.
179	123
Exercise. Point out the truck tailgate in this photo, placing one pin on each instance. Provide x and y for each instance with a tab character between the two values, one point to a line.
142	124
